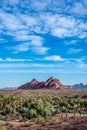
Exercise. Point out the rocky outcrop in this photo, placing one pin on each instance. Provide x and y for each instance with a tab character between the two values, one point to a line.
51	83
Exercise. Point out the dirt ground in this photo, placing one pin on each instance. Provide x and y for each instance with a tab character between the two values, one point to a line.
56	123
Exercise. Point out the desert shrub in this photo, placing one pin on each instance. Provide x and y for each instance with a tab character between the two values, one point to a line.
65	125
39	106
1	117
47	113
67	110
9	110
2	128
32	113
26	104
20	118
36	108
40	120
26	125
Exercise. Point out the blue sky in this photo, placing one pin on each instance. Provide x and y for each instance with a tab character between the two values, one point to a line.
40	38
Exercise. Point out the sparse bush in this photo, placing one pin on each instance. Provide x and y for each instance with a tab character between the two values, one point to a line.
40	120
1	117
32	113
9	110
2	128
47	113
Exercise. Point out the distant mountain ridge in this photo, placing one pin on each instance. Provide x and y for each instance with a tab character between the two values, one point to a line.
79	86
8	88
51	83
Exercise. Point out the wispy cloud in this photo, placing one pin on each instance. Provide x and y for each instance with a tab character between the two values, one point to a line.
17	60
65	26
79	8
2	40
58	6
57	25
40	50
20	66
1	59
10	21
28	30
72	42
74	51
24	65
33	43
14	60
54	58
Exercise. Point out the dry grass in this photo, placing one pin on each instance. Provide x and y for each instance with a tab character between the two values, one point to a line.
45	93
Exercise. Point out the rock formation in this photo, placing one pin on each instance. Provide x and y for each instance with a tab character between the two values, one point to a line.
51	83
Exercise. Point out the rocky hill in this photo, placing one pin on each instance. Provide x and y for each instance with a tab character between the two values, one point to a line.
51	83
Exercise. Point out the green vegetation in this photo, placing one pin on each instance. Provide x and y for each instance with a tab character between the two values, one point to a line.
21	107
41	108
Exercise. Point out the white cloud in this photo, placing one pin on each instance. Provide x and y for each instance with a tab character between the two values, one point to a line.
43	23
10	2
2	40
34	43
63	26
1	59
74	51
79	8
14	60
17	60
25	65
25	28
39	5
83	65
10	21
72	42
28	20
27	24
58	6
51	71
54	58
22	26
80	63
70	30
83	35
60	32
34	67
40	50
22	66
33	40
20	48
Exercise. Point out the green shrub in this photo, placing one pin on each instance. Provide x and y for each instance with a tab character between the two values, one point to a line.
1	117
32	113
2	128
47	113
40	120
40	106
9	110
